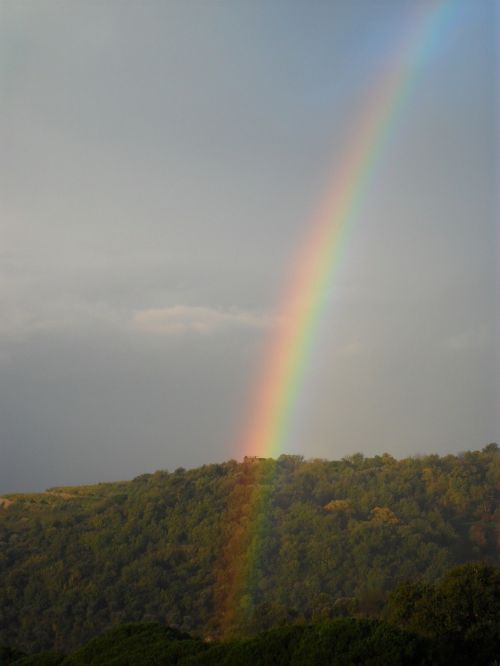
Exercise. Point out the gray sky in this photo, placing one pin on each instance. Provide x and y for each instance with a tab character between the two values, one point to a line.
160	163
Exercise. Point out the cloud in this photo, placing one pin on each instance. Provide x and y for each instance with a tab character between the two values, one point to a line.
21	322
197	319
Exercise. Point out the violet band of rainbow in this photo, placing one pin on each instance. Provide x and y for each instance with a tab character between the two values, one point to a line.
313	279
313	273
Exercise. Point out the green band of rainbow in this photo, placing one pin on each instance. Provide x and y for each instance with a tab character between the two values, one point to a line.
319	258
308	292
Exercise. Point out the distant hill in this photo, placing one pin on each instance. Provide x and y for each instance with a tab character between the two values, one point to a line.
337	537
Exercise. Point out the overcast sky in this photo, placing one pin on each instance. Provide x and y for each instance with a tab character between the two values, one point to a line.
160	164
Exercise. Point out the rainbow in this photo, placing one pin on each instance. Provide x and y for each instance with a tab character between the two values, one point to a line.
308	291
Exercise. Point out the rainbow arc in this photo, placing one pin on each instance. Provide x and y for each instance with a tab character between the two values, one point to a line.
310	287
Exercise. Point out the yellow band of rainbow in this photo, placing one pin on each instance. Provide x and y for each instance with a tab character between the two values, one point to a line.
308	292
314	270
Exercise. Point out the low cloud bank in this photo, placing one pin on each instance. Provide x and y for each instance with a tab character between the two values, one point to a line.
197	319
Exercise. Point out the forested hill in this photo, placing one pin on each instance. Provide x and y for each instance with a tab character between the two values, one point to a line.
338	536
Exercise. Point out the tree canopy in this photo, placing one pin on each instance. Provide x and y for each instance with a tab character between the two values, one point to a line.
337	538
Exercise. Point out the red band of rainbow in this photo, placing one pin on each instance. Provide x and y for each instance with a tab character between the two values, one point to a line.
309	289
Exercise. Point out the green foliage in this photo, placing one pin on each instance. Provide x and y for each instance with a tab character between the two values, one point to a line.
461	612
337	537
9	655
343	642
454	621
135	644
41	659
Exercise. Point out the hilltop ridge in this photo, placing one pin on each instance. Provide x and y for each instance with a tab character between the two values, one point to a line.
337	537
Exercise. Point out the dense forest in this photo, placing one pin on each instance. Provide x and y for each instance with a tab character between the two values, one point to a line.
454	621
339	540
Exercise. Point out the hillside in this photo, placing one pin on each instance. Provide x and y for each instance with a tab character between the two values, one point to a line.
454	621
337	536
